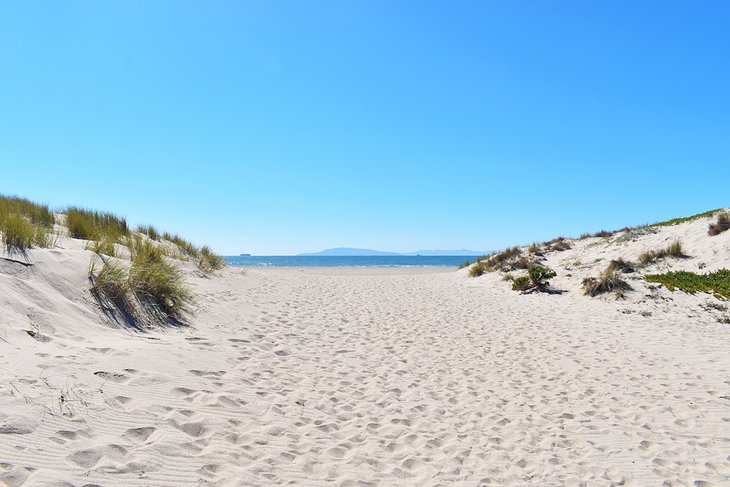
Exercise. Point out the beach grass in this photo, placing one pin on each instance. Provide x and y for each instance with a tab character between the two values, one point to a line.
208	261
95	225
157	283
675	249
18	233
24	224
111	282
104	246
38	214
150	231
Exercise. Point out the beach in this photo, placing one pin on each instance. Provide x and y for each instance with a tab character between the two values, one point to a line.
360	376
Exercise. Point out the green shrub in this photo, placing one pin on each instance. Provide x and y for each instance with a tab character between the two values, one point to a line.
715	283
464	265
521	283
539	275
722	224
608	281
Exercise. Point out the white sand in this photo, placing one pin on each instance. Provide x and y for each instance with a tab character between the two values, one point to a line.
369	377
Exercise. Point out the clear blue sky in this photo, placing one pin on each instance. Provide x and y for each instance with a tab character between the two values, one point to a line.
279	127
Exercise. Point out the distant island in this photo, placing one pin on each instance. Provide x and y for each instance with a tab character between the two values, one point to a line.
352	252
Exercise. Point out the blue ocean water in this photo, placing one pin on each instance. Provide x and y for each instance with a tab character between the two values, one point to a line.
347	261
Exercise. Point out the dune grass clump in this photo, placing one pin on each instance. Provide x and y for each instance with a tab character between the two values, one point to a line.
621	265
721	225
158	283
18	233
185	246
464	265
95	225
24	224
558	244
477	269
500	261
608	281
209	261
38	214
104	246
715	283
598	234
110	282
150	231
675	249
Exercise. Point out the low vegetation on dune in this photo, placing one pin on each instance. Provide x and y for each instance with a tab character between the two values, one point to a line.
87	224
675	249
721	225
104	246
558	244
621	265
537	278
209	261
24	224
150	231
677	221
157	282
154	284
599	234
110	282
715	283
149	285
608	281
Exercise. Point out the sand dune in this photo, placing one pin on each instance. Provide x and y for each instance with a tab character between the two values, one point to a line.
359	377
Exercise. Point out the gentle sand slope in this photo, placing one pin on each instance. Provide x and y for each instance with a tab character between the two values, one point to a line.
360	377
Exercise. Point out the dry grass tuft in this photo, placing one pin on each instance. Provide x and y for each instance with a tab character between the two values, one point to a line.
621	265
721	225
608	281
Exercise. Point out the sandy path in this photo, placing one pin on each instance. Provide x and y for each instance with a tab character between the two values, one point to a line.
376	377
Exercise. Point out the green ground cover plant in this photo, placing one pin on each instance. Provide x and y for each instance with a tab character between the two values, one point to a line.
716	283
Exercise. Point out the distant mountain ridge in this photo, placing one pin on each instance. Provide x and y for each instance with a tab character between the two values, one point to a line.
354	252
